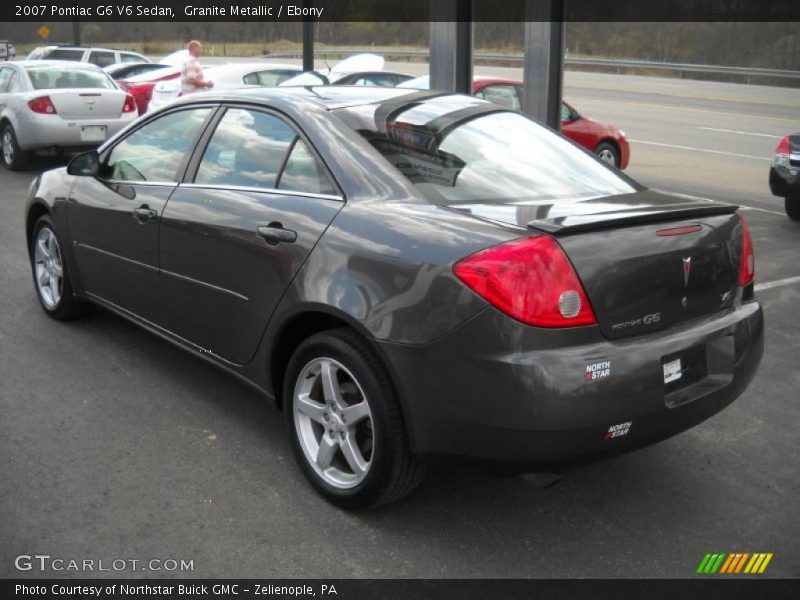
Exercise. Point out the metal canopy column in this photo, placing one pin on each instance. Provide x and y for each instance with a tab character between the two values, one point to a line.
308	45
451	43
543	69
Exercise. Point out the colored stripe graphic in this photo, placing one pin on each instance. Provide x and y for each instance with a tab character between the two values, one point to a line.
734	563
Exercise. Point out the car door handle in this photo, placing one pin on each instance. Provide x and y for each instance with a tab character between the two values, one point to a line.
144	213
274	234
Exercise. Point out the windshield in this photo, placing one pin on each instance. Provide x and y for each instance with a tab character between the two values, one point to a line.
50	78
459	150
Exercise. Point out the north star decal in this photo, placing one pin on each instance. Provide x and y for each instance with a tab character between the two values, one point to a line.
616	431
598	370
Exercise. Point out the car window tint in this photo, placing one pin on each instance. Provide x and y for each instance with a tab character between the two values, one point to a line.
50	78
504	95
247	149
65	54
129	58
154	152
566	114
102	59
303	173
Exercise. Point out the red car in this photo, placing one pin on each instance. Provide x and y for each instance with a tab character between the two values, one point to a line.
141	86
606	141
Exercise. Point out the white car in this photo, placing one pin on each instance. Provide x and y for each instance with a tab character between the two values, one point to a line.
226	77
57	105
102	57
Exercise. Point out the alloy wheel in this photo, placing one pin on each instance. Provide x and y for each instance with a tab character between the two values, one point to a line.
8	147
607	156
333	422
48	266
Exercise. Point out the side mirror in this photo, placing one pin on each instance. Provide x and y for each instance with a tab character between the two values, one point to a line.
86	164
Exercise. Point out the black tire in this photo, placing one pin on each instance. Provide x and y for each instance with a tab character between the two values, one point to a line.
792	205
608	149
67	306
392	471
18	159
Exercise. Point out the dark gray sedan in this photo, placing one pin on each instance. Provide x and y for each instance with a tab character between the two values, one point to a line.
411	277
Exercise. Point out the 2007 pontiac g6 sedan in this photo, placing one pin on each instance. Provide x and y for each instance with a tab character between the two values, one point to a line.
409	276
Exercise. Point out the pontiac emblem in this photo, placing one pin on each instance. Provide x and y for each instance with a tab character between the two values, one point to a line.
687	269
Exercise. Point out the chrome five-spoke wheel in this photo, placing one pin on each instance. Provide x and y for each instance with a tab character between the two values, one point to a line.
48	266
334	423
8	147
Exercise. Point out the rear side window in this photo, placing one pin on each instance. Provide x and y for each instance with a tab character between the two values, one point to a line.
50	78
101	58
155	151
247	149
130	58
5	78
303	173
64	54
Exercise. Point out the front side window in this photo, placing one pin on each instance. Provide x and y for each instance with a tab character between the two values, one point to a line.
500	157
504	95
155	151
247	149
50	78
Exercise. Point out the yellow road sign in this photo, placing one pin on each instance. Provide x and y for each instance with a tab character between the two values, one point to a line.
44	31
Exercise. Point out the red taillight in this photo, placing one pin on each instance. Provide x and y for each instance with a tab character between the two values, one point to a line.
130	104
747	260
784	146
42	105
529	279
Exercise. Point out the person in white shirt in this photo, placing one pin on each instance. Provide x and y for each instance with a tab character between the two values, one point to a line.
192	73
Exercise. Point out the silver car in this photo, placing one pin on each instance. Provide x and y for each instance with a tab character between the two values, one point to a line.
57	105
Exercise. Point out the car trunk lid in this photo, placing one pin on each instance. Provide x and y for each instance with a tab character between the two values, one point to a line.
646	260
89	103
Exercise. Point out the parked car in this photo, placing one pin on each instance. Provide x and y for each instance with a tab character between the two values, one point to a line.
121	71
7	50
408	276
141	86
373	78
784	180
225	77
102	57
58	105
606	141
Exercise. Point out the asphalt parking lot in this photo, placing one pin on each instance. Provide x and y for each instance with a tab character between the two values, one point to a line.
115	444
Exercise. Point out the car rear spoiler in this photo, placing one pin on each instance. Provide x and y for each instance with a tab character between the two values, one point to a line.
606	220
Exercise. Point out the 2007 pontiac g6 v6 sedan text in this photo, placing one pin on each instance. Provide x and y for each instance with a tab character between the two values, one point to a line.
409	276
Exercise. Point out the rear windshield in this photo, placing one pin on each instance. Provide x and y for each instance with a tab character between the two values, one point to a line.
50	78
455	150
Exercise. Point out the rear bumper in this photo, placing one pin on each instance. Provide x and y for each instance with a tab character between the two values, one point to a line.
496	390
37	132
784	181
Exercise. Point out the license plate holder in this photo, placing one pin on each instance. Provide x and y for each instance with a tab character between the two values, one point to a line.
684	368
93	133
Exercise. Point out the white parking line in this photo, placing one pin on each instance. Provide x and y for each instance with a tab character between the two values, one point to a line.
693	149
741	206
766	135
777	283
